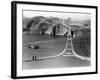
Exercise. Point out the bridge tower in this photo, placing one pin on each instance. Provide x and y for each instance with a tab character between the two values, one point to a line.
69	46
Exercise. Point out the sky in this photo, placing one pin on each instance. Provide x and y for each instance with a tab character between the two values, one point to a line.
73	16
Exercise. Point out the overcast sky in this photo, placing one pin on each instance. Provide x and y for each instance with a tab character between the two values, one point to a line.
73	16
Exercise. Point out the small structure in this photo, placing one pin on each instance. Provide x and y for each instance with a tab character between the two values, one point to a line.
34	58
33	46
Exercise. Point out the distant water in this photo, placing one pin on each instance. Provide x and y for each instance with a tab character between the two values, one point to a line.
49	46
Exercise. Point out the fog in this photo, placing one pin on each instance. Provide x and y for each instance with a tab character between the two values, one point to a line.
74	16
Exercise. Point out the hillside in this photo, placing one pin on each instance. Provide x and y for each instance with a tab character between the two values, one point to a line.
41	24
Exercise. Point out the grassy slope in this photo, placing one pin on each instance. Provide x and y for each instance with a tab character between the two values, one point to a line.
81	44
